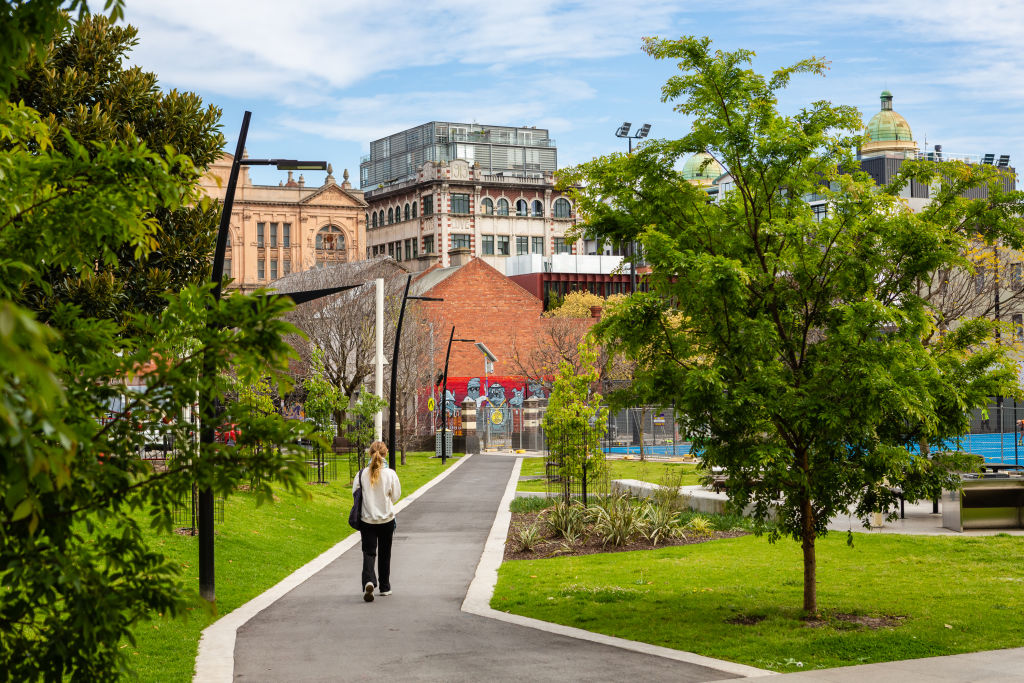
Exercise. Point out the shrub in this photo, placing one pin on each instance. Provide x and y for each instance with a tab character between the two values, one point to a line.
568	520
528	537
530	504
661	522
699	525
618	520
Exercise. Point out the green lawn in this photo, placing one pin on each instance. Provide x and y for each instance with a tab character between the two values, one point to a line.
255	548
657	472
953	595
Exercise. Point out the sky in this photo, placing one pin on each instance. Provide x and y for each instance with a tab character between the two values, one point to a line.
323	78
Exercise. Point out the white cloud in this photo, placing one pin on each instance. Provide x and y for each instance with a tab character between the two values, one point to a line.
263	48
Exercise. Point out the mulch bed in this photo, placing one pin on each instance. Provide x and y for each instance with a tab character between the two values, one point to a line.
590	544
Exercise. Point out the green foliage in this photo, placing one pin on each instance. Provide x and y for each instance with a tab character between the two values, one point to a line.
660	522
82	314
567	519
792	348
323	399
700	526
530	503
528	537
359	417
87	97
617	520
575	420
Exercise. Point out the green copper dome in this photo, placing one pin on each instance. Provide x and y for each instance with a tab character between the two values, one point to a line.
692	168
887	125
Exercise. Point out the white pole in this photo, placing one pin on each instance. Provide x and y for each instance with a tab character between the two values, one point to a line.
378	370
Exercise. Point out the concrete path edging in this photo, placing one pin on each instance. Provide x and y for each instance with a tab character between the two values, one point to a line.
478	600
215	661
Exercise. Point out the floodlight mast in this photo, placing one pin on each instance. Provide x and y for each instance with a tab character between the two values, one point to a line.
623	132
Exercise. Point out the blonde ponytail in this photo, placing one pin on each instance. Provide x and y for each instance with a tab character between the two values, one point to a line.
378	452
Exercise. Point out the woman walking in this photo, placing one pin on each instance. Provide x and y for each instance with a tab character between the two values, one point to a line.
381	490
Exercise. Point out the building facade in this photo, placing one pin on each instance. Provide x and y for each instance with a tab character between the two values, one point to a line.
280	229
457	205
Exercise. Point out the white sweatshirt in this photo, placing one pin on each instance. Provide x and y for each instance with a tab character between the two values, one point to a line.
379	499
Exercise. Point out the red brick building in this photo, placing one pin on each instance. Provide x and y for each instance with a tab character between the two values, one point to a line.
486	306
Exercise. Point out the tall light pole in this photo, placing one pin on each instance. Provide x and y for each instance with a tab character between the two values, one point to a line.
207	408
394	370
623	132
444	394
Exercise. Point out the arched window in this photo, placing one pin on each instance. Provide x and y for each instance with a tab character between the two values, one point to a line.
407	211
486	206
502	207
563	209
538	208
380	218
375	219
391	216
367	216
522	208
414	205
330	238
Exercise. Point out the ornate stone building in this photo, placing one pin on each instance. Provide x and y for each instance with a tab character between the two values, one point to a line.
287	228
454	205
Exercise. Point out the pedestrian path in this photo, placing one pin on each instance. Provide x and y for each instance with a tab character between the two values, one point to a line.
323	631
438	627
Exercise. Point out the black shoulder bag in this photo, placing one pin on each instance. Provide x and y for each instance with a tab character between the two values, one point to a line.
356	512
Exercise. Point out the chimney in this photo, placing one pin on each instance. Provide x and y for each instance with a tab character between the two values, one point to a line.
460	256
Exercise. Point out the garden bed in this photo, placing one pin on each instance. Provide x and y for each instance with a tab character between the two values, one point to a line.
554	545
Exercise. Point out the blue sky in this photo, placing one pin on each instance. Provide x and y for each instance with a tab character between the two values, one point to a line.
324	77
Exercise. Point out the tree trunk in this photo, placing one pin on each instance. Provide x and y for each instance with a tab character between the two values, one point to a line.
810	561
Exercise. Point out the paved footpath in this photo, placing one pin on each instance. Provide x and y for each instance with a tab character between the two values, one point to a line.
323	631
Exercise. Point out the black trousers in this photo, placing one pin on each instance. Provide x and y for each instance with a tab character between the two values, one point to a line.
376	542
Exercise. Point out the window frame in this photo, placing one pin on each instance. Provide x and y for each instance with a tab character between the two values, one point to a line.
502	246
522	208
558	212
460	203
487	245
503	207
537	208
487	206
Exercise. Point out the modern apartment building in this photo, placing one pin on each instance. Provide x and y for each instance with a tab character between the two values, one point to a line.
498	150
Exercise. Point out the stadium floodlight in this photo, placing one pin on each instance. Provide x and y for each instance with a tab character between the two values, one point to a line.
623	130
644	130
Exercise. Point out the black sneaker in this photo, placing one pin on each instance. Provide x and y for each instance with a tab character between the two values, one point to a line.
368	592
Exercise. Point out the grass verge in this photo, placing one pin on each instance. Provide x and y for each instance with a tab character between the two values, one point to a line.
739	599
656	472
256	547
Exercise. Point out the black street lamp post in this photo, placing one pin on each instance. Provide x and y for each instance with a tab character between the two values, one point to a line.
444	395
207	408
394	369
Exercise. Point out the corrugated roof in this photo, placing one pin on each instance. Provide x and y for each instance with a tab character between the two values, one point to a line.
431	279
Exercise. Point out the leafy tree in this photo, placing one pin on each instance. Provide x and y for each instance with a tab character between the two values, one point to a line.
577	304
576	419
81	85
325	402
75	569
792	348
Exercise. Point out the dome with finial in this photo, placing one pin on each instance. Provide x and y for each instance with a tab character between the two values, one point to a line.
887	125
887	131
702	167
